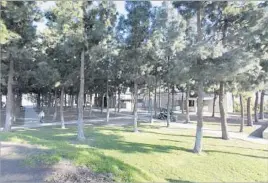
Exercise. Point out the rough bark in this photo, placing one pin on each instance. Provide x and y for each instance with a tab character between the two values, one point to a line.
56	106
135	106
224	128
262	105
242	113
61	107
256	120
249	116
80	122
9	100
168	107
199	127
187	120
214	104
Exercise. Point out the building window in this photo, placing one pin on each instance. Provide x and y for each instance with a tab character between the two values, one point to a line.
191	103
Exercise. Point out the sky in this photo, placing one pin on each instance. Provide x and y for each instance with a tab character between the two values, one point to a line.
120	5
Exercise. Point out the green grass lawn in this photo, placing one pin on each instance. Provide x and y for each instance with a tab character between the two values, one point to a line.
155	154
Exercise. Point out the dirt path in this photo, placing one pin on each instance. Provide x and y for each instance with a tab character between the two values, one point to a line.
13	168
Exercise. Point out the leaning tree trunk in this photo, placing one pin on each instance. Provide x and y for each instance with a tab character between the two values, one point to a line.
135	106
80	121
187	120
214	104
155	101
256	107
168	108
172	98
242	113
199	127
9	100
224	128
61	107
249	116
262	105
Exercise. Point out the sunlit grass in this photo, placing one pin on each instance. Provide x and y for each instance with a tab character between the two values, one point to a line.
155	154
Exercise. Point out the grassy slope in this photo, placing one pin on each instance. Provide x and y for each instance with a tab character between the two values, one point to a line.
154	154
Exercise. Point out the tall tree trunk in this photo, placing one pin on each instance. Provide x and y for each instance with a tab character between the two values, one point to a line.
90	107
172	97
224	128
9	99
56	107
102	103
182	103
249	116
233	102
135	106
159	95
199	127
49	100
187	104
107	102
38	100
214	104
242	113
85	99
119	100
262	105
150	108
72	101
168	107
1	99
61	107
155	101
65	100
80	122
256	107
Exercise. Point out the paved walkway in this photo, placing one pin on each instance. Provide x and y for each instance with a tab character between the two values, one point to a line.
125	119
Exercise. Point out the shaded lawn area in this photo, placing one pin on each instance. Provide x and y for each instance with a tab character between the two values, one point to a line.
154	154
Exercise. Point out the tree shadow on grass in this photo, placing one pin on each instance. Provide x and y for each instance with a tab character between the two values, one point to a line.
233	153
81	155
179	181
